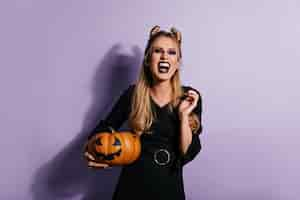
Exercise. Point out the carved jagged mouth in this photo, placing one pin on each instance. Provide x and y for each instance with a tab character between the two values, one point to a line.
111	156
163	67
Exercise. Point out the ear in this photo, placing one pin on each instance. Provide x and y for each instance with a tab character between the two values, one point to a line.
177	34
154	30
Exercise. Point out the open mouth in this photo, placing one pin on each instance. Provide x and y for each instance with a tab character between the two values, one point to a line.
163	67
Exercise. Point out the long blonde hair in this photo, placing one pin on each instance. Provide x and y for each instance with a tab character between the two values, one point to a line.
142	115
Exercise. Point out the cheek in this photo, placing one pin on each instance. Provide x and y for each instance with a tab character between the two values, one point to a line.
154	59
175	63
152	66
153	63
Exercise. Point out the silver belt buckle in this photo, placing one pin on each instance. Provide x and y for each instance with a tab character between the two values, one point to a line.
162	151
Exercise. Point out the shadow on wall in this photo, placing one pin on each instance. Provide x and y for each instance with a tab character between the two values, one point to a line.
67	176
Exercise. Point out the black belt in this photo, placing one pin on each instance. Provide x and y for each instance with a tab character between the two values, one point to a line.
161	155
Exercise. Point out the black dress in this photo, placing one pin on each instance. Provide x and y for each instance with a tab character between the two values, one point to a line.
157	174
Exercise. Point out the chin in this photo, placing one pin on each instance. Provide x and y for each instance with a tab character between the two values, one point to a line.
162	78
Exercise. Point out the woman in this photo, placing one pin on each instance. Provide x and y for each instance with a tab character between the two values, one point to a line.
166	115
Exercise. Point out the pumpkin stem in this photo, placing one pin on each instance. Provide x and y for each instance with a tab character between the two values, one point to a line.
111	129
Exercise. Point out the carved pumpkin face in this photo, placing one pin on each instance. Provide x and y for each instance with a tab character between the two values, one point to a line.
107	146
117	148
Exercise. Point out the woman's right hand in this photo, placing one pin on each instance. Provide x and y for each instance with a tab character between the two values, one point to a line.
92	162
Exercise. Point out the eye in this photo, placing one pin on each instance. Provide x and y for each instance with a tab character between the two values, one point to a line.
172	52
117	142
157	50
98	141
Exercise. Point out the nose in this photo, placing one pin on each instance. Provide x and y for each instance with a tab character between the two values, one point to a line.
164	55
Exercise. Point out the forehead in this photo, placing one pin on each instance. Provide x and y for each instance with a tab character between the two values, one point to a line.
165	42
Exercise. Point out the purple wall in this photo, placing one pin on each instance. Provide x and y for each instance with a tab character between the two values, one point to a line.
60	59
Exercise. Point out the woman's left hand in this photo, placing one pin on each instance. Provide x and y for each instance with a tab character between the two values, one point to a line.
188	103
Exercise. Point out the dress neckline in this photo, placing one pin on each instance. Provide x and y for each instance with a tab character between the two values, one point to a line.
157	105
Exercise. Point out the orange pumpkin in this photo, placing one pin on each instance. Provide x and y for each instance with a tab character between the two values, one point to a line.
116	148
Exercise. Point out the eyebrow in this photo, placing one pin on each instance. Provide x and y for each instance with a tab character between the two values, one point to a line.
172	48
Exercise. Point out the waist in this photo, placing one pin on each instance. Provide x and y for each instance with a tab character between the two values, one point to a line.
162	155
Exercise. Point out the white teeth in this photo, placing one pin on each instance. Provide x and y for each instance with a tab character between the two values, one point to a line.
163	67
163	64
163	70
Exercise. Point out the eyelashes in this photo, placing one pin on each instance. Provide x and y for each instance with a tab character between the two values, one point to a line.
170	52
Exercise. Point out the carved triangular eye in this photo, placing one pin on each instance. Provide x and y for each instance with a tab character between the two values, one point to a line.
98	141
117	142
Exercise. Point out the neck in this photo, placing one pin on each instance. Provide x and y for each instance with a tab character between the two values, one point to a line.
162	90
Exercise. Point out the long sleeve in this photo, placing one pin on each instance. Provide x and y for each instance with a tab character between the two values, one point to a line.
195	146
118	115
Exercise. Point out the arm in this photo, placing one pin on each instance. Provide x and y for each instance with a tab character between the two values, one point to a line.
185	134
190	144
114	119
117	115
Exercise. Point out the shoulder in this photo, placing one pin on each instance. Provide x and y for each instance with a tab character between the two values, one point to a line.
128	92
130	89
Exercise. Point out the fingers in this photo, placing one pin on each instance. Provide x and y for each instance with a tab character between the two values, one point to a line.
98	165
189	102
191	96
89	156
92	162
